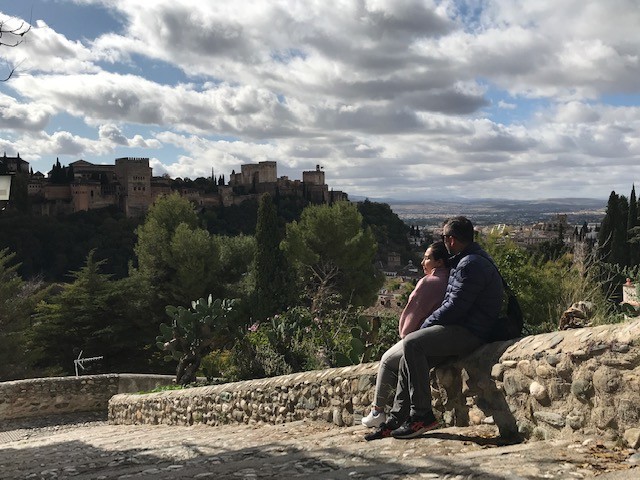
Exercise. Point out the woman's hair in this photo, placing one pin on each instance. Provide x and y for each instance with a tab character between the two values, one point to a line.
440	252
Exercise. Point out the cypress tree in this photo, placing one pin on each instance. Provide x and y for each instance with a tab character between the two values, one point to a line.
272	272
619	245
605	236
632	222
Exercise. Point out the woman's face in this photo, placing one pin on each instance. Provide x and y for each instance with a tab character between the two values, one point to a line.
428	262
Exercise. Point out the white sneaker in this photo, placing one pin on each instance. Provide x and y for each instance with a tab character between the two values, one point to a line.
374	419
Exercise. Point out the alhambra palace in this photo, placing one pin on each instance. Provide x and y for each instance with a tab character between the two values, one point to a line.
131	186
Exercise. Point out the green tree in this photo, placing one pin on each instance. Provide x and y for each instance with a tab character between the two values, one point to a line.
194	261
18	299
53	246
619	243
632	223
236	260
96	316
176	257
535	281
392	234
273	279
334	254
607	227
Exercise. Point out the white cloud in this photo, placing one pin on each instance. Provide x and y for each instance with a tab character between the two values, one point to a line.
113	134
393	97
45	50
23	116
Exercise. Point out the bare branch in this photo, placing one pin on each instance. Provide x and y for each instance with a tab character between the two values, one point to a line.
12	37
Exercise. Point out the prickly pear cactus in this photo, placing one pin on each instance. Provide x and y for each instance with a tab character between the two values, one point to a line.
195	332
363	338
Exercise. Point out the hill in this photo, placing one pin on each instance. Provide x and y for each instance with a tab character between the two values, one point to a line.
493	211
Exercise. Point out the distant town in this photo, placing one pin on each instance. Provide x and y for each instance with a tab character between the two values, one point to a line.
130	185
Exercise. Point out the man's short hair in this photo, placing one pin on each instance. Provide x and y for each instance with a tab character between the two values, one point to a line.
460	228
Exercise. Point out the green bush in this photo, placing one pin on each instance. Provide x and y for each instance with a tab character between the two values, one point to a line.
298	340
547	288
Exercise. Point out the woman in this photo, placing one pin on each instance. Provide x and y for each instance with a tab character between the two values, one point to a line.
425	298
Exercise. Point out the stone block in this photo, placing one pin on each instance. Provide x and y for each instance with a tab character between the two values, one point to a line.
540	433
582	388
538	391
606	380
545	370
497	371
565	368
628	409
526	368
552	359
558	389
476	416
632	437
603	417
550	418
336	417
515	382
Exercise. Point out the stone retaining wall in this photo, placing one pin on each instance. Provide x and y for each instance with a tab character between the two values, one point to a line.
338	395
56	395
582	381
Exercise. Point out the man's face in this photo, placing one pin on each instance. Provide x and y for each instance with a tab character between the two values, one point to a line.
449	241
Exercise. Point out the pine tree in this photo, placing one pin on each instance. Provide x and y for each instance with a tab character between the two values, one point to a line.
95	315
334	254
18	300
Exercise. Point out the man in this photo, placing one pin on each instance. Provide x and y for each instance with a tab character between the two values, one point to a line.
462	323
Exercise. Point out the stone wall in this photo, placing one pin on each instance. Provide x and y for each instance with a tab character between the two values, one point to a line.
338	395
582	381
56	395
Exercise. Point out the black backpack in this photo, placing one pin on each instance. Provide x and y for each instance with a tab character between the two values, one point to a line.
510	324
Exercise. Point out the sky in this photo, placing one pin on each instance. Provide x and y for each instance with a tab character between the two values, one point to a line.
397	99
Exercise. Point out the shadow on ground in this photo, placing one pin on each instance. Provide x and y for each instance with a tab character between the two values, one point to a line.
133	455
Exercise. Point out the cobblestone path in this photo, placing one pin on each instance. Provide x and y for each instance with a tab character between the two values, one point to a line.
93	449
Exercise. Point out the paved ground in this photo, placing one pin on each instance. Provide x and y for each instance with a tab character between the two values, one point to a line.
87	447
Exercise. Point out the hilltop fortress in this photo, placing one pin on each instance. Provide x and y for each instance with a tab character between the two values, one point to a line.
131	186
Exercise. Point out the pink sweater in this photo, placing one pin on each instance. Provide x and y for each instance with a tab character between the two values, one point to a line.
425	298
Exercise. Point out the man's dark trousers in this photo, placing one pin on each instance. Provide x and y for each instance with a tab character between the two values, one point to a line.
424	349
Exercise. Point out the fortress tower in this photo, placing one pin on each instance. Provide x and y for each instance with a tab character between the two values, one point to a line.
134	176
253	174
313	177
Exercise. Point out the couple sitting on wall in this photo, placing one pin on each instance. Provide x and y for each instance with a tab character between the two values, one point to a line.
451	312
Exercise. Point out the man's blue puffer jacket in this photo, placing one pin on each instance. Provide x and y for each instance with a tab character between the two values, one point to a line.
474	294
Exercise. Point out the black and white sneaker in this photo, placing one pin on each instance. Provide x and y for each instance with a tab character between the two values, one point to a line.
415	426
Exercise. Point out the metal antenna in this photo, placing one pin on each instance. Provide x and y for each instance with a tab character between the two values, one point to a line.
79	362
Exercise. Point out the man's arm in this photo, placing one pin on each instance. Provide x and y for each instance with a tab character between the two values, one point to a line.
468	282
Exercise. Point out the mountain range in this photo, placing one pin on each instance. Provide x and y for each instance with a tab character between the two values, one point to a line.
495	211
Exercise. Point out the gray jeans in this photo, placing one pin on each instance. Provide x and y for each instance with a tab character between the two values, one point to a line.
424	349
387	379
